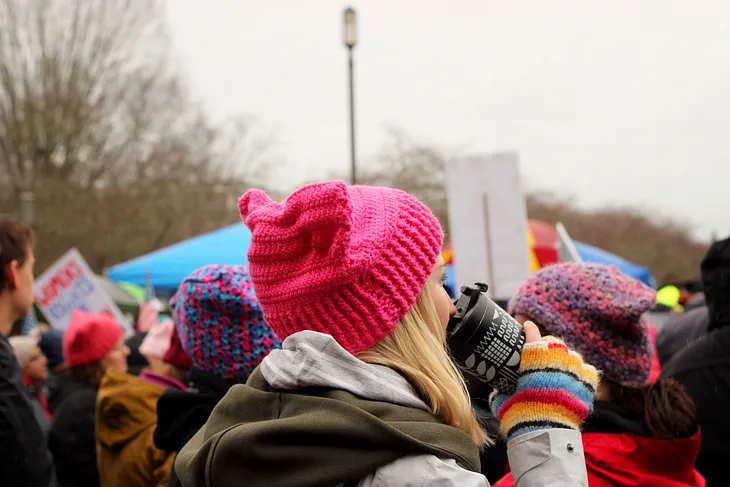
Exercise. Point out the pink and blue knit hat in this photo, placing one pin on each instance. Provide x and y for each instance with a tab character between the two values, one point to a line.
220	323
597	311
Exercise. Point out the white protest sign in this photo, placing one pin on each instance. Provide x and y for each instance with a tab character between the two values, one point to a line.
566	247
488	222
68	285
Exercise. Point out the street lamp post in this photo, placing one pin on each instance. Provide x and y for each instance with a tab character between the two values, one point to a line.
349	35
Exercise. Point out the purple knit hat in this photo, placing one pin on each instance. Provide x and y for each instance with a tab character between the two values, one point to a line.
597	311
220	323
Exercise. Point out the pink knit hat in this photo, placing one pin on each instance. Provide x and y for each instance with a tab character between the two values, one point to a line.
346	261
89	337
157	341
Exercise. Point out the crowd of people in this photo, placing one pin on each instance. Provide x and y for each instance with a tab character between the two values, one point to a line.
325	362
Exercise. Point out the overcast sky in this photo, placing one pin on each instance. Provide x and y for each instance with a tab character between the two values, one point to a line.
620	102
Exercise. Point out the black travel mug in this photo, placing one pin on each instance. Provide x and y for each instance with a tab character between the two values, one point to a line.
485	340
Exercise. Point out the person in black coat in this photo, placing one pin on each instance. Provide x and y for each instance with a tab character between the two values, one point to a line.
24	457
92	344
136	362
180	414
703	368
73	432
680	330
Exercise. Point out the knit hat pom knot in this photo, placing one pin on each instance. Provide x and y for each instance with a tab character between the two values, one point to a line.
318	217
253	200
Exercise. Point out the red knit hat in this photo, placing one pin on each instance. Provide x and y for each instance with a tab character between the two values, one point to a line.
175	354
89	337
346	261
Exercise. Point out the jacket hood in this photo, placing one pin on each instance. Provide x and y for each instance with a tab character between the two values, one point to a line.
312	359
180	414
619	451
716	283
628	459
313	414
125	407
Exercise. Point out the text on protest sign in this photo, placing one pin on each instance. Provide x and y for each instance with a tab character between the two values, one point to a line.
68	285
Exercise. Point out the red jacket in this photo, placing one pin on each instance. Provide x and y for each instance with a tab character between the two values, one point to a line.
629	460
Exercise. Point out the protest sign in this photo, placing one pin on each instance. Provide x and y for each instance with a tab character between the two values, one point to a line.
68	285
488	222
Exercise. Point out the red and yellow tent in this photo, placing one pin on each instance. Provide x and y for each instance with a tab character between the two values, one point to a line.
542	241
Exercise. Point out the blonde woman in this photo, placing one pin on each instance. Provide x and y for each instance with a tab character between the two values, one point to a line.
364	391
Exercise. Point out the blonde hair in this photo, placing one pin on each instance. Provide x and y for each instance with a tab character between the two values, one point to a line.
417	349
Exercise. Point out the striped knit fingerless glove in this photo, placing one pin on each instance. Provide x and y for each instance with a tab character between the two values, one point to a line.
555	390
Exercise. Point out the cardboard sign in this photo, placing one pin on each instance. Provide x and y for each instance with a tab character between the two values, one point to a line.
488	222
68	285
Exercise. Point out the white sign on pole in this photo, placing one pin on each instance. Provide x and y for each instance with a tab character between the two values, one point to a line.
566	247
68	285
488	222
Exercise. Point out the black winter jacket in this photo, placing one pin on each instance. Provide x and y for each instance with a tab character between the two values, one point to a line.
72	438
180	414
24	457
704	370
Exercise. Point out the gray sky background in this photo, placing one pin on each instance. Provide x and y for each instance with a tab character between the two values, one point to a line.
619	102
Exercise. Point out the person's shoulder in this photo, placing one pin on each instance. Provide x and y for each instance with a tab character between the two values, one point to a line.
424	470
9	368
7	357
708	351
693	322
82	399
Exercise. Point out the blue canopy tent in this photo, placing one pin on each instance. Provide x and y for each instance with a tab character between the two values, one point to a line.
450	280
168	266
588	253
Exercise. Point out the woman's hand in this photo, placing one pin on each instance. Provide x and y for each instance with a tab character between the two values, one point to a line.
556	388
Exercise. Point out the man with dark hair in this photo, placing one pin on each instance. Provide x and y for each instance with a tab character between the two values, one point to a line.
24	458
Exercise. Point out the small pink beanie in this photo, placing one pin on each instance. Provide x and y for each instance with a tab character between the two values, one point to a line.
157	341
345	261
89	337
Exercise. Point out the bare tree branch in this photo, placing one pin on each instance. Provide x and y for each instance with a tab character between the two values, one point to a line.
94	119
